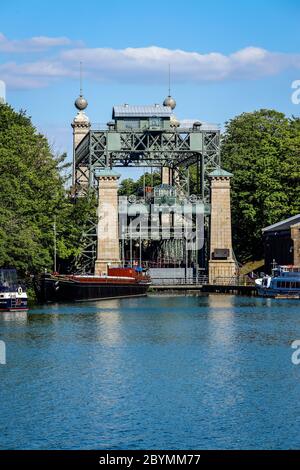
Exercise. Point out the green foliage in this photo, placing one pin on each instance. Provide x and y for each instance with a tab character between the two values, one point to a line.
32	194
262	150
129	186
71	221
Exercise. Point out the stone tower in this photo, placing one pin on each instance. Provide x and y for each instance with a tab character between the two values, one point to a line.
222	267
81	126
295	236
108	249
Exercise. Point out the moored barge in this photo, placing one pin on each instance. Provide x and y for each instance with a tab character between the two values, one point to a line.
119	282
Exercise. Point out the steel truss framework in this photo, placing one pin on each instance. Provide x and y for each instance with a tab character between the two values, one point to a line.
177	149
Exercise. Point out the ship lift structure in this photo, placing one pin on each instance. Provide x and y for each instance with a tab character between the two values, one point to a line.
148	137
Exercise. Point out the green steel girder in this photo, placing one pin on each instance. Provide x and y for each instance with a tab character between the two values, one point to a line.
137	148
149	145
177	149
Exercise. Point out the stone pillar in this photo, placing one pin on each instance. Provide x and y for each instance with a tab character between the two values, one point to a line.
222	267
295	236
166	177
81	126
108	249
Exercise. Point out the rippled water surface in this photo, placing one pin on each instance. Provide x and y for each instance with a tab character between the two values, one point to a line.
157	372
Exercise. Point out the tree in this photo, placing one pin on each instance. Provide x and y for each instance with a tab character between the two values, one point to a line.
73	218
32	195
262	150
30	191
129	186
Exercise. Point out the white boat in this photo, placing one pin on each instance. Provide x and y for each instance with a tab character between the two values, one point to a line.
13	297
283	283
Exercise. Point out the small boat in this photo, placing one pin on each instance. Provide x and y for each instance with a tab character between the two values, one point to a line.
283	283
119	282
13	297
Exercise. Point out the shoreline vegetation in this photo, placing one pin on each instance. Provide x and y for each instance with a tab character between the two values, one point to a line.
35	192
261	149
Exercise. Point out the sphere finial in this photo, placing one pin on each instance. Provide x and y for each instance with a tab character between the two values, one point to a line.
169	101
81	103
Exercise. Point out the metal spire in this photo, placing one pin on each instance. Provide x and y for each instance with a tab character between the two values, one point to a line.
81	103
169	101
80	69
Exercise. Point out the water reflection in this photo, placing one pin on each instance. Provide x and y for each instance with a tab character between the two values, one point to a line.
172	372
222	355
20	317
108	322
221	319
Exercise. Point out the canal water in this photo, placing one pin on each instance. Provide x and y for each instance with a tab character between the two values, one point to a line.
171	372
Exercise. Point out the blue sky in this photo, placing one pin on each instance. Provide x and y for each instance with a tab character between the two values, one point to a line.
226	57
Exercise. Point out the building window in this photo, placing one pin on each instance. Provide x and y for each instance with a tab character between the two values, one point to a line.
155	122
131	123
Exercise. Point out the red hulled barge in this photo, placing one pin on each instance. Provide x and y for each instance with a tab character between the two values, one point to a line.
119	282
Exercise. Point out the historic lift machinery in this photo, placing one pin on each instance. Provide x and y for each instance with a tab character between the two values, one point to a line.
152	137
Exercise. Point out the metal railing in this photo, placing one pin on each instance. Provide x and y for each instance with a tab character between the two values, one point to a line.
202	280
234	281
175	281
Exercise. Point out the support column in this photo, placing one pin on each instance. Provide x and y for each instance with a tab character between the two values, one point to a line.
295	236
166	219
166	177
222	267
81	126
108	248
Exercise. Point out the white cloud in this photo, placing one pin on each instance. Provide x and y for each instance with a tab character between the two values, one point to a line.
40	68
150	63
146	65
33	74
34	44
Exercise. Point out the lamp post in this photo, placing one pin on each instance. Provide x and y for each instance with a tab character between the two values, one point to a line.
54	243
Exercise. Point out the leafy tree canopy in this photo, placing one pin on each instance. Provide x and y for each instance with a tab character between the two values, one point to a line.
262	150
32	196
129	186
